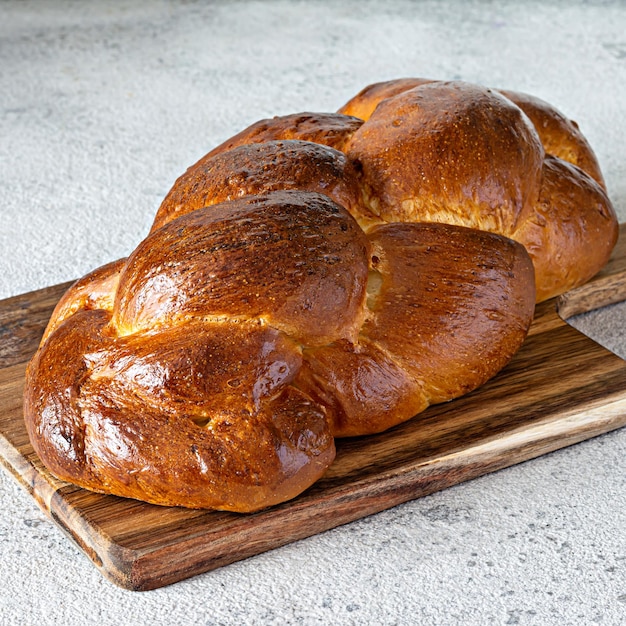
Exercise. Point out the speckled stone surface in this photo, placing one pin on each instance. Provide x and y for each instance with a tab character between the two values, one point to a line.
103	105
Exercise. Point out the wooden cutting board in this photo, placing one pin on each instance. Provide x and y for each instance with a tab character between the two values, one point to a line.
561	388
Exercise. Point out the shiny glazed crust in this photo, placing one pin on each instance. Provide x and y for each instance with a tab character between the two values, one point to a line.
316	276
496	160
215	366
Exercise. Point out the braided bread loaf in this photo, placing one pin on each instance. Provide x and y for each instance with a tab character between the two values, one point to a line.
292	290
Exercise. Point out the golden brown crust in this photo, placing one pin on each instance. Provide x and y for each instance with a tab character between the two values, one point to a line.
253	169
364	389
428	155
430	151
241	338
451	307
572	231
315	277
464	316
96	290
179	392
119	418
473	156
559	135
294	259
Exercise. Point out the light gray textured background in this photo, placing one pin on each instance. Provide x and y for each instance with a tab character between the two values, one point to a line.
103	105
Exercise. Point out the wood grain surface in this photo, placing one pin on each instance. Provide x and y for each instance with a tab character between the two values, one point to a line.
561	388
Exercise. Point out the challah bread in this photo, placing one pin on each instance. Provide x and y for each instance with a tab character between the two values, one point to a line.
214	367
318	275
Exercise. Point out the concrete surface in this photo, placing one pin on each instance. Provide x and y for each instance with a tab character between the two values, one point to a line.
103	105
